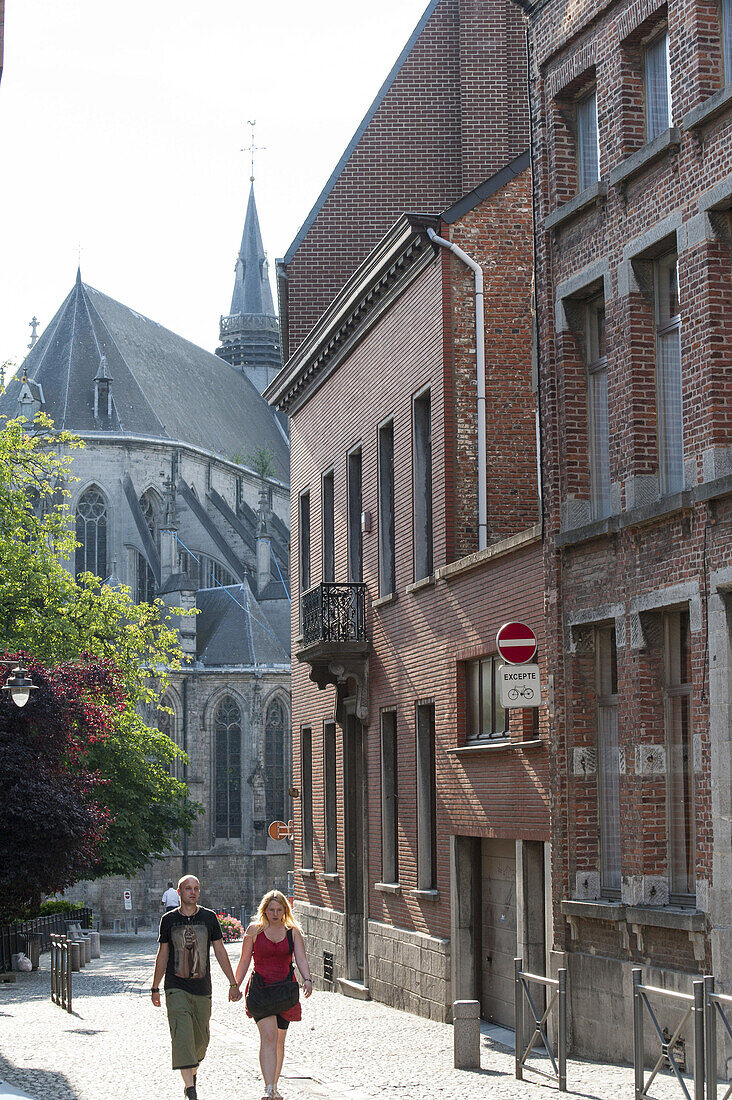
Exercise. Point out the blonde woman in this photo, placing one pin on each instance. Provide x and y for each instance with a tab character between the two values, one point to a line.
272	939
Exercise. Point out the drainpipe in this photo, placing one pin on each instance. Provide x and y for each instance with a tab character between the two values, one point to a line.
480	381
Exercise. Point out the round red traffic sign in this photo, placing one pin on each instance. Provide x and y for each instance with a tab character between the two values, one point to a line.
280	830
516	643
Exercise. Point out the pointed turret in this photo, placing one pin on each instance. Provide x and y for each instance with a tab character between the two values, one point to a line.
250	334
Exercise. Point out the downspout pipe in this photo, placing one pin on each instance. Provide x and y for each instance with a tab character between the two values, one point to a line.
480	380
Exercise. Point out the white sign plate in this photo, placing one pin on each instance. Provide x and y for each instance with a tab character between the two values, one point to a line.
520	686
127	895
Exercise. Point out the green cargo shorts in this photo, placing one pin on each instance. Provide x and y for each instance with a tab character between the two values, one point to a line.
188	1017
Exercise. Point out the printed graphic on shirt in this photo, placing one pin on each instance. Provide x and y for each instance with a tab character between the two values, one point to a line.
190	943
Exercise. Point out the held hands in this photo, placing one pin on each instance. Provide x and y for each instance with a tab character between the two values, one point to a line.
307	987
235	994
155	995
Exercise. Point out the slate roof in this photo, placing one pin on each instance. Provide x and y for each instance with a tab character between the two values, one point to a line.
252	290
162	385
232	627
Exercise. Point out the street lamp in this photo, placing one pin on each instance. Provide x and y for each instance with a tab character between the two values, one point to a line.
20	685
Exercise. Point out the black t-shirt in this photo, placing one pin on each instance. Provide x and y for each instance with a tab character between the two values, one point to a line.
189	938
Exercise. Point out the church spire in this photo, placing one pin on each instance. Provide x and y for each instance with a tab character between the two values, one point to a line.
252	292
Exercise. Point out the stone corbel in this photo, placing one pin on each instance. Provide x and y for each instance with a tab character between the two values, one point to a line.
637	930
621	926
573	923
698	942
359	673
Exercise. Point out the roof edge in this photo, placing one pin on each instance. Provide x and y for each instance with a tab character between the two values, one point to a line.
489	187
365	121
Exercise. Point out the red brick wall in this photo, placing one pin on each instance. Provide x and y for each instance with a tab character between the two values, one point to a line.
454	115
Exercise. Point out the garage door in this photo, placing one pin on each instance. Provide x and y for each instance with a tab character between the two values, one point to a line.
498	914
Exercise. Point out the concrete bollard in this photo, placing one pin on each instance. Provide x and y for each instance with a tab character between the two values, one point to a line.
75	949
95	945
137	923
466	1034
82	953
117	926
87	949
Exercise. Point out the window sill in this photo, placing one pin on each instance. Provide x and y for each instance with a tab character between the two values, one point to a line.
423	582
498	745
591	196
387	887
652	151
667	916
331	876
649	513
710	490
709	109
307	872
496	550
594	910
426	895
383	601
587	531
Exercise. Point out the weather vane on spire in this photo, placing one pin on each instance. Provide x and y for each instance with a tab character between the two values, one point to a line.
252	148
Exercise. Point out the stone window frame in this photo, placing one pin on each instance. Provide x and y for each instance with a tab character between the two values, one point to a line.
93	486
570	197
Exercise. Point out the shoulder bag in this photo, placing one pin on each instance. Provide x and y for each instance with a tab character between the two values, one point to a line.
271	999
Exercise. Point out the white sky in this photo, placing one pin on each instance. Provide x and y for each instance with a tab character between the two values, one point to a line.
121	127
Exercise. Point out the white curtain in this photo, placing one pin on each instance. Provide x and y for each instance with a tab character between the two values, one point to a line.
658	88
670	422
599	444
588	152
609	780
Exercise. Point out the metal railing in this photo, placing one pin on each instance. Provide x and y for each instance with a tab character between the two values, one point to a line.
714	1010
61	971
522	993
15	937
334	613
693	1005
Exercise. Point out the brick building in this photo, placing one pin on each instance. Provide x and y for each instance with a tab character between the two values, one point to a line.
633	168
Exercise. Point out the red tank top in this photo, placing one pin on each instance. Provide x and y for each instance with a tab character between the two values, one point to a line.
272	962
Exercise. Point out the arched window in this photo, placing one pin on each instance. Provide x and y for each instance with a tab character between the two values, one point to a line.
227	731
91	533
274	761
150	505
168	725
213	574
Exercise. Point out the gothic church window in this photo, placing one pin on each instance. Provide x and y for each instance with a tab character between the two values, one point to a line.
274	760
227	733
91	533
167	724
150	507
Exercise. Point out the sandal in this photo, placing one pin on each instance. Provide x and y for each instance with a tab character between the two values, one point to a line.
277	1095
269	1093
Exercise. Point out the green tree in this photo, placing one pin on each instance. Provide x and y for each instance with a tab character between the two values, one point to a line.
59	618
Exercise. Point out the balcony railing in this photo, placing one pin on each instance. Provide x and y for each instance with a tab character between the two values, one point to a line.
334	613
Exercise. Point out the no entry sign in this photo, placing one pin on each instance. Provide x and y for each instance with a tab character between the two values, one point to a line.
279	830
516	643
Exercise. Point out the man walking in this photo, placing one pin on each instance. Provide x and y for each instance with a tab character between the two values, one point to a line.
186	933
170	898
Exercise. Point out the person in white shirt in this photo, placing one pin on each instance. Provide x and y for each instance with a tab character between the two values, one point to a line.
170	898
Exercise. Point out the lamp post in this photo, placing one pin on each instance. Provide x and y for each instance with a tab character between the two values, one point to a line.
20	685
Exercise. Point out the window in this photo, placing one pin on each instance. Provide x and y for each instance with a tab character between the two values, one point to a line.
306	794
422	484
726	20
227	734
679	755
91	533
597	408
329	783
426	798
389	798
668	375
588	148
328	528
608	759
167	724
386	509
355	537
304	541
486	718
274	762
213	574
657	87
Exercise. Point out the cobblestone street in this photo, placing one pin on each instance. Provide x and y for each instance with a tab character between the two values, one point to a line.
115	1044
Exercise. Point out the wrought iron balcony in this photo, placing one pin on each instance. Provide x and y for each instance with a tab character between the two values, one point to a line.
334	641
334	613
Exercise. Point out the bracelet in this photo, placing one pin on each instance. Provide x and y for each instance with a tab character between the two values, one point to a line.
307	980
155	989
233	985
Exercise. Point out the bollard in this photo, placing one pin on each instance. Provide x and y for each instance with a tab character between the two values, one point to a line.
75	952
82	954
87	949
95	945
466	1034
137	919
117	926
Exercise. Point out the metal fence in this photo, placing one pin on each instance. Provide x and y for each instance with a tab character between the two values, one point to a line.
714	1013
16	937
60	971
539	1029
692	1007
334	613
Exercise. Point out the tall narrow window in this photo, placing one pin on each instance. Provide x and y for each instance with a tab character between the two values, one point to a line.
597	407
486	718
91	534
422	484
167	724
386	509
668	375
588	149
355	537
227	734
679	756
304	542
306	794
150	507
389	798
657	87
726	28
328	528
426	798
608	758
274	761
330	798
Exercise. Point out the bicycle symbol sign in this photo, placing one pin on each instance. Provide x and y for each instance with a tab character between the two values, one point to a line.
520	685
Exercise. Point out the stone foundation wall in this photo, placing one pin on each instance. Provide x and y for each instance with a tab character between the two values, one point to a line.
324	931
410	970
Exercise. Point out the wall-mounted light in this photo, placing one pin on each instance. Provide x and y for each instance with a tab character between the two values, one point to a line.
20	685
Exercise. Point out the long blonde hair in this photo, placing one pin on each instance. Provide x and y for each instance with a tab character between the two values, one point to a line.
288	920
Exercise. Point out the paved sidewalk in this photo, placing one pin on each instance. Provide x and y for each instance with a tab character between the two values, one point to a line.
115	1046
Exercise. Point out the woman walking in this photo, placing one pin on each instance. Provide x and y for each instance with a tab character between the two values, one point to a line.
272	939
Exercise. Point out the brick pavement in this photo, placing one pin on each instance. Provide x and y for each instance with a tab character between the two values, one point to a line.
116	1045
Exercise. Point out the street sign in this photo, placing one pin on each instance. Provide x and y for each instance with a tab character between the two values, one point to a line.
520	686
127	895
516	643
280	830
